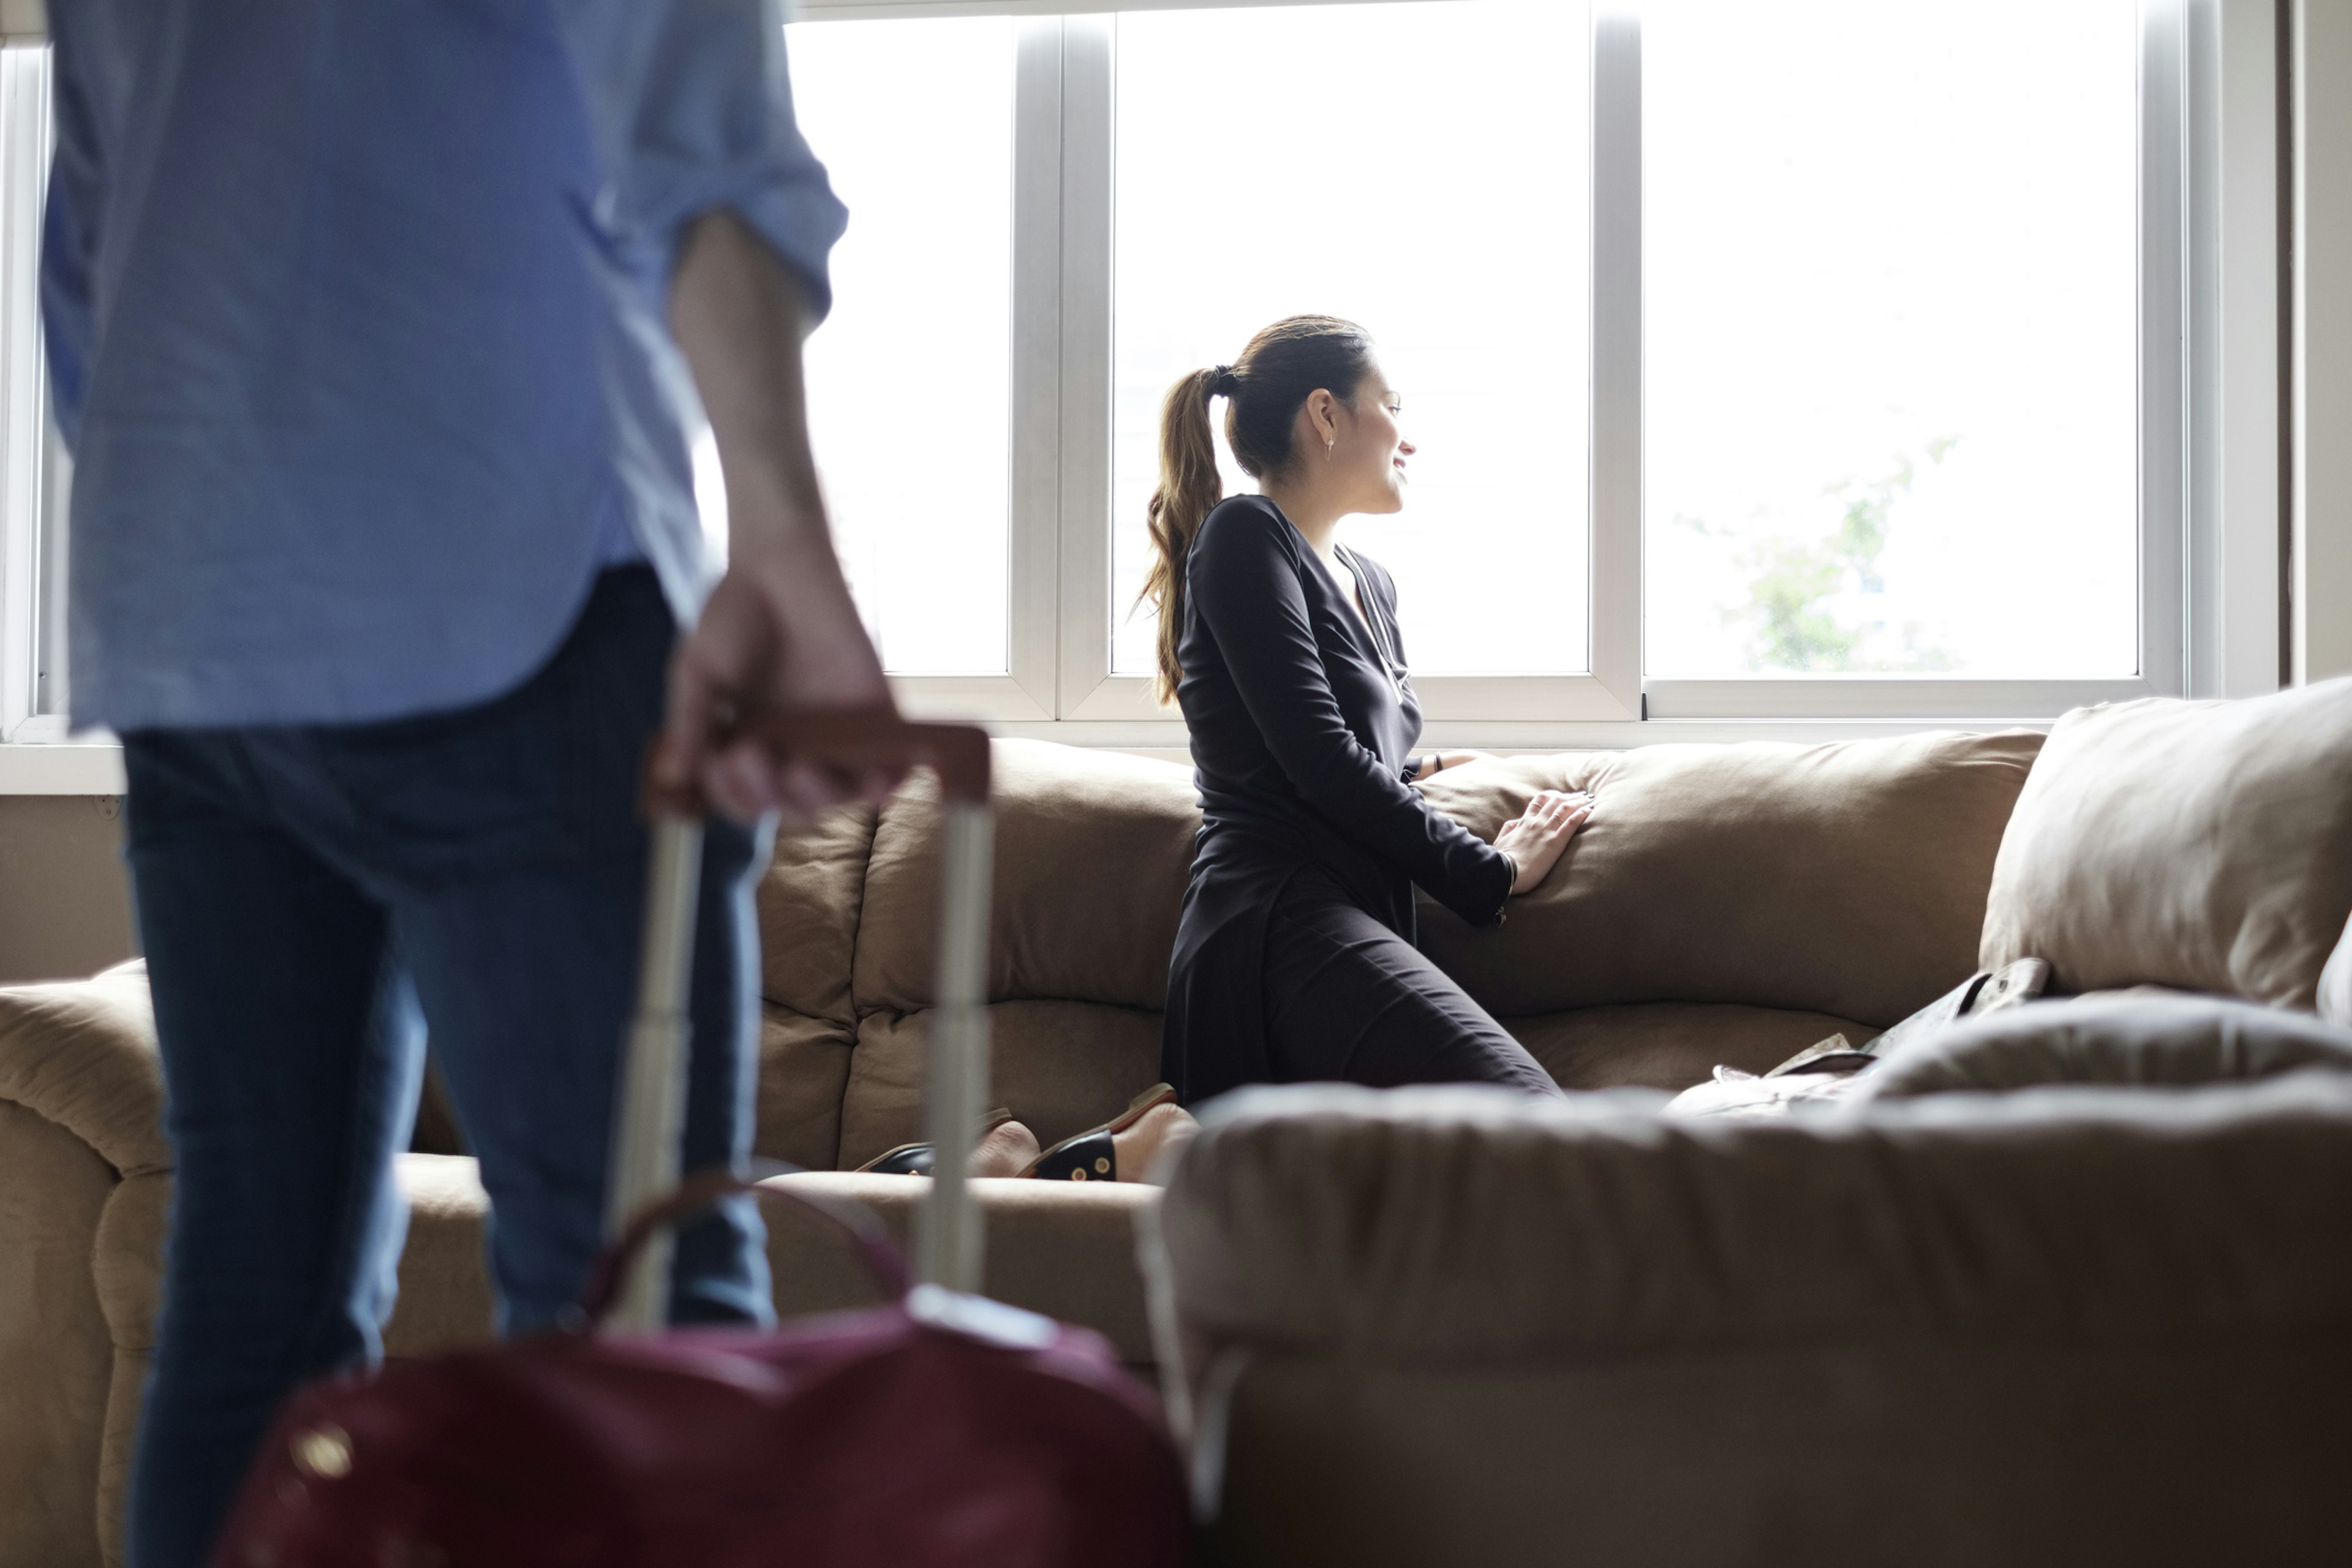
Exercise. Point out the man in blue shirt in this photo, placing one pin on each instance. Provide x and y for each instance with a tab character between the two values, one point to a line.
378	330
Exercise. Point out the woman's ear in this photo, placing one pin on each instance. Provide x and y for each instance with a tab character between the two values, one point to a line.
1321	412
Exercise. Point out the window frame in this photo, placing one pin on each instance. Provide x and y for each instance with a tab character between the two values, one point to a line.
1058	684
32	538
2163	418
1091	691
1063	331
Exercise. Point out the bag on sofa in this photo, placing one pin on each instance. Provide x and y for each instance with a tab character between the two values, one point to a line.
1827	1073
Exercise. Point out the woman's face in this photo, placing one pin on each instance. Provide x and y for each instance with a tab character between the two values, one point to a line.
1368	451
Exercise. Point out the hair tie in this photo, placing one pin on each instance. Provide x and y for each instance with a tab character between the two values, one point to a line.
1223	382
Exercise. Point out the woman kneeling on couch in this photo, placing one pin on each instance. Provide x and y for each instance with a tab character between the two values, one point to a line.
1295	959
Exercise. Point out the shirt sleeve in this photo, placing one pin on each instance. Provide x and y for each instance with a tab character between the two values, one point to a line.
1245	585
690	109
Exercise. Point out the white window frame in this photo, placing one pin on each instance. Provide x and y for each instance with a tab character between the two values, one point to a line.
2208	559
1091	691
1063	333
2163	459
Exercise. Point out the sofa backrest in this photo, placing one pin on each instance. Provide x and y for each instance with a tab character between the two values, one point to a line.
1846	878
809	902
1092	851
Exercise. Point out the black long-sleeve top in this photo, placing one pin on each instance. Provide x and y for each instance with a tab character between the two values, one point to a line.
1303	719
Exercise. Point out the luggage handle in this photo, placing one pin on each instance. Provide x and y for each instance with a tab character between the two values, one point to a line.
958	754
876	1249
651	1121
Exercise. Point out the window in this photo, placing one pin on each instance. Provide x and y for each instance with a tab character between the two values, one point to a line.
1427	179
32	460
910	380
1892	338
1817	362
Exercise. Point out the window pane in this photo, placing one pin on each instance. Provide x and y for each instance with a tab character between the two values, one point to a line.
909	378
1891	314
1419	168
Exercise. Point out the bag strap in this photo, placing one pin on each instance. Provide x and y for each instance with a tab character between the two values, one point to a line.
876	1246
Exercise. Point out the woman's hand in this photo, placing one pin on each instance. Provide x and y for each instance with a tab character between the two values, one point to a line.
1536	838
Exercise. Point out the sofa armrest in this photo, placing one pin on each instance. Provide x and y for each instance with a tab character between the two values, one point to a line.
81	1054
1473	1226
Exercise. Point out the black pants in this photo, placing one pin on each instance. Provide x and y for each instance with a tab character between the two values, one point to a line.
1348	998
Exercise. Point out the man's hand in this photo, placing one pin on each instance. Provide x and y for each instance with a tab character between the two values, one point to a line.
771	642
780	635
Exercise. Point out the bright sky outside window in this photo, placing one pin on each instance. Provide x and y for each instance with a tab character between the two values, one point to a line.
909	378
1891	318
1420	169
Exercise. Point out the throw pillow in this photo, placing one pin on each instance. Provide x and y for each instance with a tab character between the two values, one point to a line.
2201	845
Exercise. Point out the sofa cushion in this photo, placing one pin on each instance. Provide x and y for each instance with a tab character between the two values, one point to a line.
1092	851
1063	1248
1470	1225
55	1356
1060	1066
1671	1045
1055	1247
1847	879
804	1067
2206	846
445	1278
2144	1038
808	914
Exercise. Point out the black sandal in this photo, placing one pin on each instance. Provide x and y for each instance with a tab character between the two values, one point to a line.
914	1159
1091	1156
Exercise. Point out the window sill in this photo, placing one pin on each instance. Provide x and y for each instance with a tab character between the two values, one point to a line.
1168	737
61	768
95	766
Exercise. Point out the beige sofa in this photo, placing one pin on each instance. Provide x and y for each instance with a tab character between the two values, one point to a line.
2065	1284
1728	904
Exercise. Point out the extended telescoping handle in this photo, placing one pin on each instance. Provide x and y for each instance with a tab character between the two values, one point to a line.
651	1121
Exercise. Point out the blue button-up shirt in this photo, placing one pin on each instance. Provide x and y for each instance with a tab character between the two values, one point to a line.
357	328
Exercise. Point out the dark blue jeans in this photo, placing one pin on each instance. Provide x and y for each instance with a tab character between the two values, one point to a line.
313	901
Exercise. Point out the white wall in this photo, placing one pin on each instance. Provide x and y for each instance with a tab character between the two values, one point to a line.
2322	585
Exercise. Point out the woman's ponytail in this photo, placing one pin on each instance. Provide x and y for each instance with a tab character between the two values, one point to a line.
1190	486
1264	387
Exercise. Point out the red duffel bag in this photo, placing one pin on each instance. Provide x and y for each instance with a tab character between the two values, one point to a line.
944	1428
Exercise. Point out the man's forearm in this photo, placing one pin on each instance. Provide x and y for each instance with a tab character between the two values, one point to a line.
739	316
780	633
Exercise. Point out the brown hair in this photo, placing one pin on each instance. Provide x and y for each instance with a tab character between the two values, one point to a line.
1264	390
